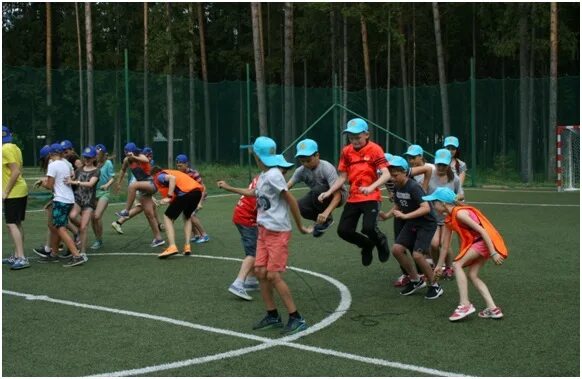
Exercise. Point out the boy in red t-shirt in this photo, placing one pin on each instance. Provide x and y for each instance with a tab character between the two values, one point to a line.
244	218
359	163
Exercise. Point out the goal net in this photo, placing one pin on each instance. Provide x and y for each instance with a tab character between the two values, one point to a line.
568	157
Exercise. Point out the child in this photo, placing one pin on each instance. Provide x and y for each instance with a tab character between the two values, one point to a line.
414	226
183	164
274	203
14	199
86	178
359	163
479	242
183	194
244	218
70	155
58	175
106	179
319	175
415	158
452	144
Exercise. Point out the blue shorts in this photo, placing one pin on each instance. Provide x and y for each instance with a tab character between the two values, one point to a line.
248	237
60	213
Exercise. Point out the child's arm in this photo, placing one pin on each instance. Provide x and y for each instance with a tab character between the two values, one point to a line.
241	191
342	178
445	244
140	158
121	175
295	212
380	181
425	170
387	215
422	210
337	198
463	216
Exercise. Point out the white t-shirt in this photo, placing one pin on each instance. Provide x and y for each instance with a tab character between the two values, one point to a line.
60	170
272	210
420	178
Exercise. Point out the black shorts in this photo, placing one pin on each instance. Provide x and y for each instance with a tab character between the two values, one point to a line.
416	237
185	204
15	209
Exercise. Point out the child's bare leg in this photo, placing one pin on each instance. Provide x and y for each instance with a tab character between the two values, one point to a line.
283	290
266	288
479	284
404	260
424	266
462	277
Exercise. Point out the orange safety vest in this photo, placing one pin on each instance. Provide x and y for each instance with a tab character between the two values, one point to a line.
184	182
466	236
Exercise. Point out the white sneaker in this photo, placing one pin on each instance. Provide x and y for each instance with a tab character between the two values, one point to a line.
240	292
461	312
116	227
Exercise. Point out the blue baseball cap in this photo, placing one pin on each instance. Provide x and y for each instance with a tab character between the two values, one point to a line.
414	150
282	162
398	161
44	151
66	144
100	147
182	158
442	156
147	150
89	152
306	148
56	148
388	156
265	148
130	147
451	141
444	194
356	126
6	135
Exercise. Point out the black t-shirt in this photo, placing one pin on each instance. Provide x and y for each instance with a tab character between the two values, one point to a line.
408	199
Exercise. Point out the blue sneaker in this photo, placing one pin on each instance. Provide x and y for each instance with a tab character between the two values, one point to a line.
295	325
20	263
97	245
268	322
251	286
239	291
156	243
194	239
203	239
319	229
9	261
122	213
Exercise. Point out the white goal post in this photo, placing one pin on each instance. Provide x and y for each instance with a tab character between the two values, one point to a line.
568	157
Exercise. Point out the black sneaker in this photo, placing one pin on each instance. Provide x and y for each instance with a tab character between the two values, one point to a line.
434	292
65	256
40	251
268	322
319	229
412	287
383	249
48	258
367	255
75	261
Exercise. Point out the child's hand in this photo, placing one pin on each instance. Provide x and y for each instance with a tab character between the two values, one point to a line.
306	229
497	258
399	214
165	201
383	215
321	218
221	184
438	272
322	196
366	190
37	183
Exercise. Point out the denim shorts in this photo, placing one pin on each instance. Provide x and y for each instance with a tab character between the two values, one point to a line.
248	237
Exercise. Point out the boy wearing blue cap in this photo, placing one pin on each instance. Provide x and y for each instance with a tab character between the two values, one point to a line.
359	164
274	202
319	175
14	199
414	227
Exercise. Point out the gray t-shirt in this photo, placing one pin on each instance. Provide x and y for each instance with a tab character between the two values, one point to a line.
436	182
324	175
420	178
272	210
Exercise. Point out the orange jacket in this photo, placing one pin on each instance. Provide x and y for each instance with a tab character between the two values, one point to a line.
184	182
465	233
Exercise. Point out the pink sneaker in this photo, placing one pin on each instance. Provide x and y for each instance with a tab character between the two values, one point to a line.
448	273
402	281
491	313
461	312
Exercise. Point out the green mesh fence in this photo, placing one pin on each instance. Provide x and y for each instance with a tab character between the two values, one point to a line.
497	115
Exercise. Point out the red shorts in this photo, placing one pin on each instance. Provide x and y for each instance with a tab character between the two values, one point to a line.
481	248
272	249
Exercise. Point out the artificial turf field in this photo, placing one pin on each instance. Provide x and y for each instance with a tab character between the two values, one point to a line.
126	312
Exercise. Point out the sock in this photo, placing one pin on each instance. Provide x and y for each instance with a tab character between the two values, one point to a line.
273	313
47	249
294	315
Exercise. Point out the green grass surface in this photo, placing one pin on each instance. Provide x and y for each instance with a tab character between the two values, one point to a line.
538	288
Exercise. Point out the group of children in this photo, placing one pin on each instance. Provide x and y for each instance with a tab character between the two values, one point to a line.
426	209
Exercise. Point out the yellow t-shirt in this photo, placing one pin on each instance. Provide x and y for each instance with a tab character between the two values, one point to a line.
12	154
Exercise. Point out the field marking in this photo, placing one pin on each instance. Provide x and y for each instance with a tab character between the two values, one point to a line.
266	343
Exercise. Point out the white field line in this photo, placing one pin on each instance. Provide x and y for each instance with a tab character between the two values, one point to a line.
342	308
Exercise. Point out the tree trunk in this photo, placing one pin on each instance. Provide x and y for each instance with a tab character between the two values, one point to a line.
332	42
81	91
304	94
553	90
345	86
414	137
288	73
170	87
146	106
367	66
405	100
191	91
208	153
388	72
90	108
49	74
523	89
503	111
530	117
441	65
259	70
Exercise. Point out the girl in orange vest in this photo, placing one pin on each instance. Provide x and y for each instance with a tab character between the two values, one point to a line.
479	242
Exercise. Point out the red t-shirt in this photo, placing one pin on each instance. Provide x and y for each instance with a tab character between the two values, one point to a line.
245	211
361	167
